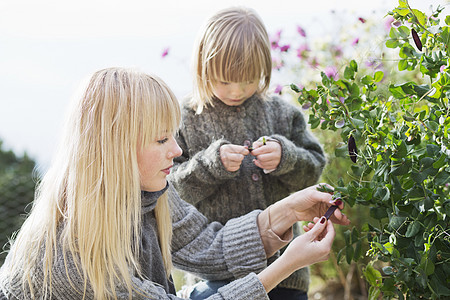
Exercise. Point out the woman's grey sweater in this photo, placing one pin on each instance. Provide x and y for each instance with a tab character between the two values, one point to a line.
201	179
210	250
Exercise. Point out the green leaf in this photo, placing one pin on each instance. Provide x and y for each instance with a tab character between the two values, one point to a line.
421	17
378	76
354	65
388	270
401	168
413	229
440	162
442	178
295	88
403	64
392	43
373	276
367	80
349	73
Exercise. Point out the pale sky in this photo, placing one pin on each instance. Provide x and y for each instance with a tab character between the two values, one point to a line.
47	47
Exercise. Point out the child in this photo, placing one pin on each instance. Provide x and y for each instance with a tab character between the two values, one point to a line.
242	150
106	225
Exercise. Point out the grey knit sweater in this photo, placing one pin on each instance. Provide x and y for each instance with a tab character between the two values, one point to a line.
209	250
201	179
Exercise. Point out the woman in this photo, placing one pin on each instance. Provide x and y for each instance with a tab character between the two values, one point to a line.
106	225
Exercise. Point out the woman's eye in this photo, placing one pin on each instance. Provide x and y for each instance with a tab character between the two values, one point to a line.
162	141
224	83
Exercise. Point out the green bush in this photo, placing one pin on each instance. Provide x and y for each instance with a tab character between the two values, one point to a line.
397	140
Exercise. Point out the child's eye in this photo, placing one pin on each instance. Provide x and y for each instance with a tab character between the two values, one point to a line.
163	140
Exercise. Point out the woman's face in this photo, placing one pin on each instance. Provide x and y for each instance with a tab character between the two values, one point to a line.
155	161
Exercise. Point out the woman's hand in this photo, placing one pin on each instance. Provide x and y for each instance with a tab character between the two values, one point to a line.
309	248
310	202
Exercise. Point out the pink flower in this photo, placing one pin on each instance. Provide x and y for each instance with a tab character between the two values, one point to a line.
314	62
165	52
388	23
442	68
355	42
302	51
285	48
331	72
362	20
277	63
274	40
337	51
278	89
301	31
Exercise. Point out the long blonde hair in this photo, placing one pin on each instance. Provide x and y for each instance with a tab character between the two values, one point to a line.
232	47
89	201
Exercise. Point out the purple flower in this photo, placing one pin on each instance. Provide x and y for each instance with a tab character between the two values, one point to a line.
331	72
306	105
165	52
301	31
355	41
362	20
442	68
278	89
342	100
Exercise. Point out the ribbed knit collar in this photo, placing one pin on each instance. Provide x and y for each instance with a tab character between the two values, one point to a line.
149	199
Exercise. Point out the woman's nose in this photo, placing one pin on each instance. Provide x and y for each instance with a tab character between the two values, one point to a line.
175	150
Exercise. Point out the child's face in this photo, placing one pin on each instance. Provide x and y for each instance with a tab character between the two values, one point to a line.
155	161
234	93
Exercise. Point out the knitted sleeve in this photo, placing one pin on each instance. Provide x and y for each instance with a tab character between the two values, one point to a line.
303	158
212	250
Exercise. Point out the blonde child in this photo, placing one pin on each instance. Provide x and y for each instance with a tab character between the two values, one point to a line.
242	149
105	224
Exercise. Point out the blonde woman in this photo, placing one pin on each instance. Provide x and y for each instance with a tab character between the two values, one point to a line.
243	149
106	225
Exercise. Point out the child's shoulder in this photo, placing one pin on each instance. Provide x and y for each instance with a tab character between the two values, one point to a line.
277	102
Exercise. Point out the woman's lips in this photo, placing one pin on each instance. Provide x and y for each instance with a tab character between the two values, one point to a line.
167	171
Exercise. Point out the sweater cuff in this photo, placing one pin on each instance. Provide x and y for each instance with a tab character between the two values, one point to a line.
214	163
248	287
242	245
272	242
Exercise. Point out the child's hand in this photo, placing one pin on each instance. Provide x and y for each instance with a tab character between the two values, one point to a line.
267	153
232	156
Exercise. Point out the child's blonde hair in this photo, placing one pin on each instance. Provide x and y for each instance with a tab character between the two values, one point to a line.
233	47
89	202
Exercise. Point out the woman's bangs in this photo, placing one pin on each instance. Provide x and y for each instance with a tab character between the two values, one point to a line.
161	113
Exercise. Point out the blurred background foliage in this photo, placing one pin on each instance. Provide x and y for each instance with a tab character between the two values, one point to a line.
17	184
